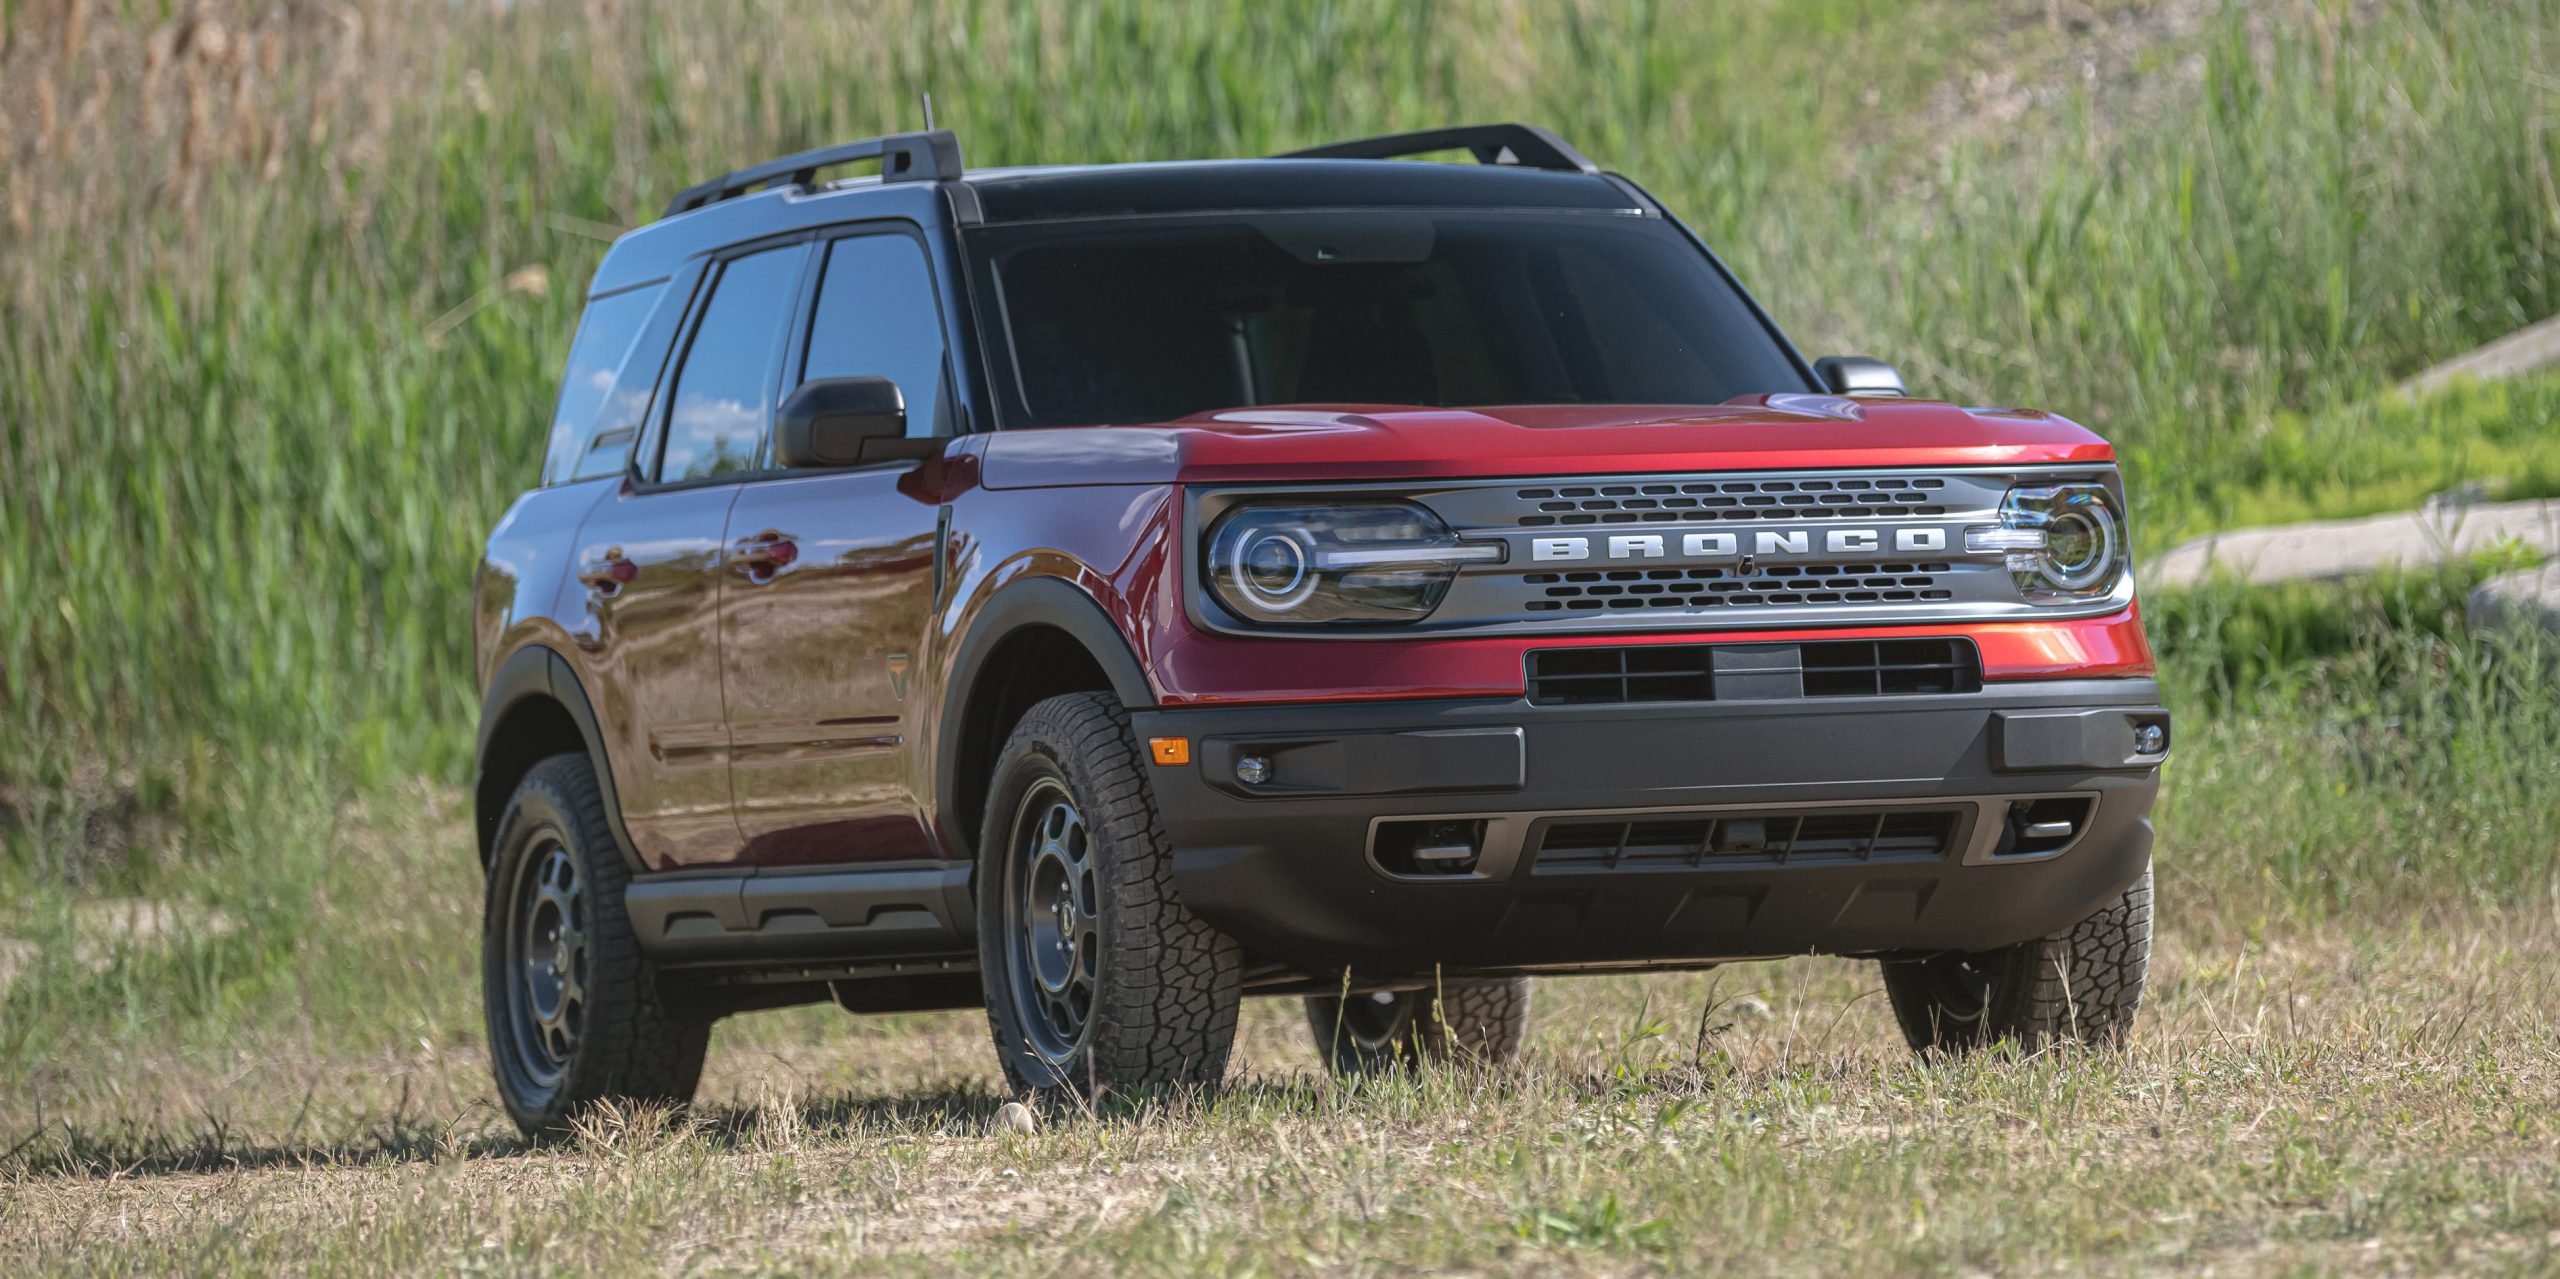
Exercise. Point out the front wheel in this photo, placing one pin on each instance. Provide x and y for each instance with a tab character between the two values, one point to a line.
2081	986
1097	979
1455	1023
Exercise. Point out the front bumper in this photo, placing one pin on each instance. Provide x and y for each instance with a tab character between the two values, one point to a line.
1715	806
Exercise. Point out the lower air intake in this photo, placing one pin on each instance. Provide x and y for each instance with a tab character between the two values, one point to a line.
1777	837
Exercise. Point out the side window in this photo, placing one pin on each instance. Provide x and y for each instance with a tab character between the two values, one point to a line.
877	317
723	394
581	435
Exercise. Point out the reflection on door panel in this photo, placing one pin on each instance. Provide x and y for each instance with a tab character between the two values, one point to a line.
818	644
818	652
653	565
650	567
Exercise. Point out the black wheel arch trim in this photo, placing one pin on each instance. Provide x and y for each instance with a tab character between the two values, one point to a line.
539	671
1037	601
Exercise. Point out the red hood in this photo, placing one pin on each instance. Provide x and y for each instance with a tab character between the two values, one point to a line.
1354	442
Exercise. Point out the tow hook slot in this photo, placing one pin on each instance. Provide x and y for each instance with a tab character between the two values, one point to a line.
1428	847
2038	827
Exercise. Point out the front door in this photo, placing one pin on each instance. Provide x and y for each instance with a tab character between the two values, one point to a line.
831	590
654	563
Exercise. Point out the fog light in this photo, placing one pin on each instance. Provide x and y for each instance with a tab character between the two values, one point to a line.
1253	770
2150	739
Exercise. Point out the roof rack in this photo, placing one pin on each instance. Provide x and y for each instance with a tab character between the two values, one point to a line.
1524	145
930	156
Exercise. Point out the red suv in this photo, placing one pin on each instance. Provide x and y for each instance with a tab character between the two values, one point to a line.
1106	592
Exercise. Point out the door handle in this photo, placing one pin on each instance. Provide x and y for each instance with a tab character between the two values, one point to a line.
763	555
608	576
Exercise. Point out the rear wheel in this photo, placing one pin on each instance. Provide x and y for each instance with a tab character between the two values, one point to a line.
2082	986
573	1009
1097	979
1480	1023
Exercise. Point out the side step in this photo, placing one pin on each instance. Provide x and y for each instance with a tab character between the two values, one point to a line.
900	908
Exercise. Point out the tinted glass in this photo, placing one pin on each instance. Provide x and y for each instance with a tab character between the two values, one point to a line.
583	442
723	395
1133	321
877	317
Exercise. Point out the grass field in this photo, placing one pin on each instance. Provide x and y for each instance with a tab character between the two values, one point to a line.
282	292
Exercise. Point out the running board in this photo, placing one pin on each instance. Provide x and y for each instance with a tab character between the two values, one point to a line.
900	908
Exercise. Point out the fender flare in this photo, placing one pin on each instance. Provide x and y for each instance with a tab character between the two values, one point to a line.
538	670
1037	601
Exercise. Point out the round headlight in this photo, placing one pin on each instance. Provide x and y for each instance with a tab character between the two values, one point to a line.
2065	543
1333	563
1271	569
2080	550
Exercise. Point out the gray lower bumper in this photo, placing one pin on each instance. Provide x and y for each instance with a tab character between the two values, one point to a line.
1291	866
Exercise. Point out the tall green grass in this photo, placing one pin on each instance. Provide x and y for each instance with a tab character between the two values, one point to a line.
2354	751
272	357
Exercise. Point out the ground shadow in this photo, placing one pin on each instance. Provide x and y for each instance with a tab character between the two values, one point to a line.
66	1151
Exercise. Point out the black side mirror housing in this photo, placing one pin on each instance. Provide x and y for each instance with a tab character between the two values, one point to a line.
1856	375
845	421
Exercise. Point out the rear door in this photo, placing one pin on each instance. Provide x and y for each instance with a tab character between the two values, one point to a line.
652	561
823	615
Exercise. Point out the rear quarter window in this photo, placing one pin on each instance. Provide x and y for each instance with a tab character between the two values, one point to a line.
603	395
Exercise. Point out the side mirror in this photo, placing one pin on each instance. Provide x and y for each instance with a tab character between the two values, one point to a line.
844	421
1858	375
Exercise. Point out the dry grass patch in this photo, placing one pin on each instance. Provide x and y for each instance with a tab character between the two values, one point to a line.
2366	1100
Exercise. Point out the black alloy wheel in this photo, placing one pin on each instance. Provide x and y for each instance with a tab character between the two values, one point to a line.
1057	921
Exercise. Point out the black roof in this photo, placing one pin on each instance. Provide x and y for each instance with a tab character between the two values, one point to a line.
1520	168
1122	190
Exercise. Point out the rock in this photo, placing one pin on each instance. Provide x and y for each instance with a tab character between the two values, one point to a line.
1014	1117
2343	548
2532	347
2527	598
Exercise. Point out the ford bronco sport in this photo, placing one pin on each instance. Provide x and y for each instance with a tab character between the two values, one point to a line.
1101	593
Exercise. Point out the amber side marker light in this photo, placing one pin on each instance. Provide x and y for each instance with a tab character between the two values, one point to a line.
1170	750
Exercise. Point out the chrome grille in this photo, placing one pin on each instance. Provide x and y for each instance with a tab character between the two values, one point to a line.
1881	497
1697	552
1630	589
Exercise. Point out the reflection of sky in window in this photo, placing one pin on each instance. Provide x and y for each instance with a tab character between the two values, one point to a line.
605	338
709	436
716	423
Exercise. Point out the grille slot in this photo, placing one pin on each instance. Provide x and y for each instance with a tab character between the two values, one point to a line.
1891	668
1771	838
1594	676
1691	672
1882	497
1698	588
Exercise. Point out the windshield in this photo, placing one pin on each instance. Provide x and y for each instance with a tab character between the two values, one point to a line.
1148	320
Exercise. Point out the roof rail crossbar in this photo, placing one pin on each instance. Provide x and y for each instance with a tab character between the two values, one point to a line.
930	156
1524	145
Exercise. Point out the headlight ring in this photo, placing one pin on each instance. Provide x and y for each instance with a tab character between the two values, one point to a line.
1298	564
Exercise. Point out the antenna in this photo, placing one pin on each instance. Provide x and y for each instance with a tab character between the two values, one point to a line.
927	95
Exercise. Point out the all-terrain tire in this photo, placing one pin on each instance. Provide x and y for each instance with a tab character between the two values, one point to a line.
1471	1023
2082	986
574	1014
1070	850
